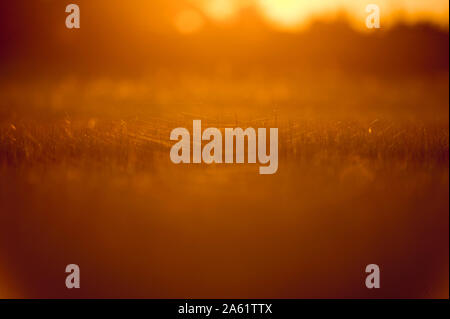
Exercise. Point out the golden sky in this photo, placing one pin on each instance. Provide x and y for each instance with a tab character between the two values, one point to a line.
292	14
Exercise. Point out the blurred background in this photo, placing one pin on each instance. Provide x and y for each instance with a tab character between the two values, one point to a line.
205	36
85	175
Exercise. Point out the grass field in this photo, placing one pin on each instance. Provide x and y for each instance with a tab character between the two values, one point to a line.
85	178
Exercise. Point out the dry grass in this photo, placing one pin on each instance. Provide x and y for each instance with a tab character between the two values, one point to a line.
135	143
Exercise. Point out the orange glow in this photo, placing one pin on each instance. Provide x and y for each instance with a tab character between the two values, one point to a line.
291	14
86	176
188	21
220	9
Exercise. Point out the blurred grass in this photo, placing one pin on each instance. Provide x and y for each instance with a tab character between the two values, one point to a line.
139	144
85	177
